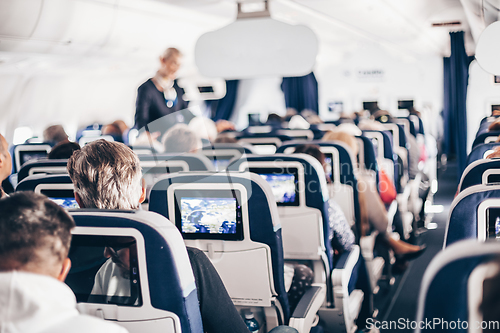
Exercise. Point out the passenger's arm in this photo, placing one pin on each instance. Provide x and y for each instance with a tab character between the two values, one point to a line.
218	313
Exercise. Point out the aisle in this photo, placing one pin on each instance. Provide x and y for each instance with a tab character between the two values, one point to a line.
401	301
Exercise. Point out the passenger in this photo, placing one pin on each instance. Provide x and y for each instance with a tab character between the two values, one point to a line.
35	236
54	134
224	125
205	128
5	164
63	150
495	153
116	129
221	138
107	175
342	236
374	207
494	126
160	95
180	139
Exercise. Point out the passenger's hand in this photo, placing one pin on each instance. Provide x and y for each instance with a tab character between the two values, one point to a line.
224	125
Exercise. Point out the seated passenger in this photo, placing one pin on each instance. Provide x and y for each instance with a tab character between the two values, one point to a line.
343	237
180	139
373	208
63	150
116	129
204	128
54	134
35	235
107	175
5	163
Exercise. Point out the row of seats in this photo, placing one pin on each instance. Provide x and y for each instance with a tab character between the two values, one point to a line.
337	278
458	291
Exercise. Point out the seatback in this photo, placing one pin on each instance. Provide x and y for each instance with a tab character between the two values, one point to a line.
297	134
402	154
251	236
88	139
162	294
483	171
486	137
299	187
481	151
344	187
43	166
452	287
263	143
473	213
220	154
28	152
154	166
368	158
382	142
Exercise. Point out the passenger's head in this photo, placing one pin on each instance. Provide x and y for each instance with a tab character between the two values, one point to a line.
114	130
180	139
63	150
495	153
344	137
205	128
55	134
312	150
170	62
494	126
5	160
35	235
106	175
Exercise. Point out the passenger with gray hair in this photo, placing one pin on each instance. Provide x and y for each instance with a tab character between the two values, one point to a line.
180	139
35	236
107	175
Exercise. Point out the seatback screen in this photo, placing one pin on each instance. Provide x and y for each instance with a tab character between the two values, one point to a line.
209	214
104	270
34	155
283	182
64	198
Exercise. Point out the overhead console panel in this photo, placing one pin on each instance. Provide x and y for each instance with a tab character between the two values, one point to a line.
255	47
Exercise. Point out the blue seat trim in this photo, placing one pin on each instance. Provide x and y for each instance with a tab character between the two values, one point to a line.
481	137
447	297
479	150
29	183
25	169
475	175
164	296
195	163
463	221
261	224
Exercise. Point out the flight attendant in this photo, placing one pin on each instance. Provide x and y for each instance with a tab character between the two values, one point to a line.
161	96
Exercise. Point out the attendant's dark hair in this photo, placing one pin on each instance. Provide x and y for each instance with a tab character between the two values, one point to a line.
31	222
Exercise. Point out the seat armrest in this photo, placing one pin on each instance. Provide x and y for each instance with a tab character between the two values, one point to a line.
341	274
307	308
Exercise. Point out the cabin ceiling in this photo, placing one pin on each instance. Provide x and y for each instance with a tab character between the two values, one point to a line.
404	26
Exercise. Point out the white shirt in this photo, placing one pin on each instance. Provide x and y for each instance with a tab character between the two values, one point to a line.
34	303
